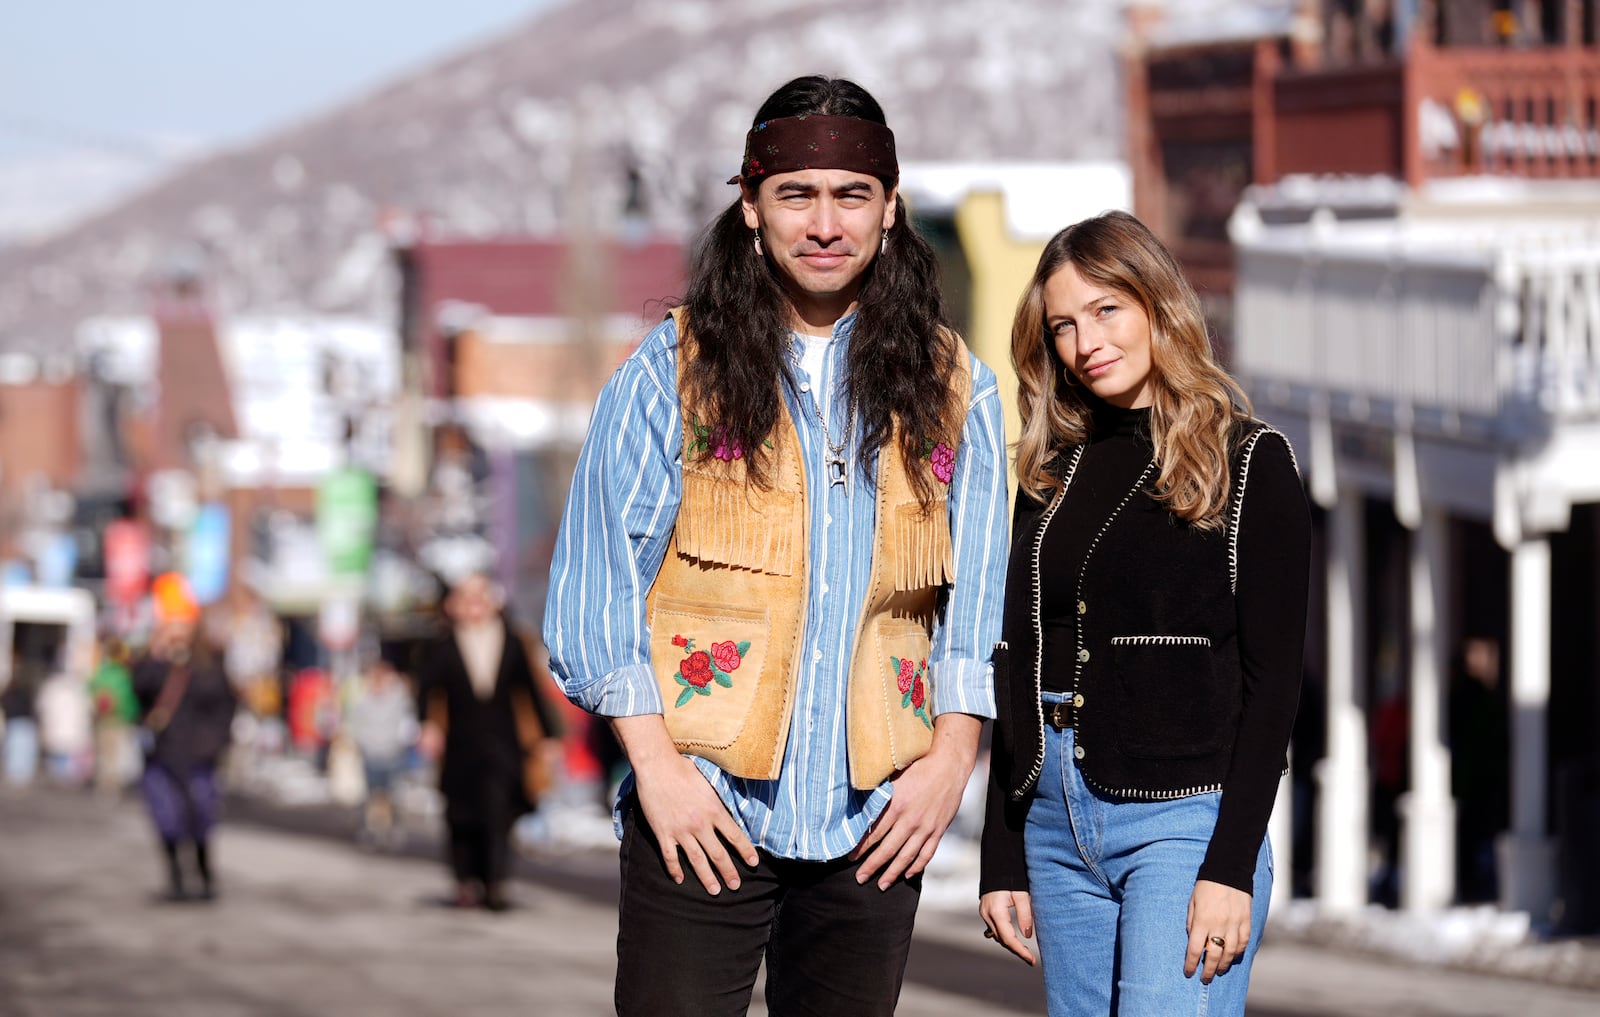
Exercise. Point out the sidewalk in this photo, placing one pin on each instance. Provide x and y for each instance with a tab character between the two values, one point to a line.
307	924
1469	939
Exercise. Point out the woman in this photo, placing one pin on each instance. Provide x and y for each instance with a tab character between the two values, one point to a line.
1154	623
186	708
485	720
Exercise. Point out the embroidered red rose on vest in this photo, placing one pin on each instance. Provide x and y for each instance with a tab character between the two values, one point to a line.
912	681
941	457
700	670
696	669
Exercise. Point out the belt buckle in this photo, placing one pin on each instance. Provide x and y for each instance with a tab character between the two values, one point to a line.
1059	716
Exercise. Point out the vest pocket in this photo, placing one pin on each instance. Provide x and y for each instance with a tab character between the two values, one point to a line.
900	688
710	664
1166	689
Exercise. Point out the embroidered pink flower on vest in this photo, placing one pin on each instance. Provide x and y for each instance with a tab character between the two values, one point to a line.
941	457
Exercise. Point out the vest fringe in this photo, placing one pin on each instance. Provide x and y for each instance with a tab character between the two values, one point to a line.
923	553
724	522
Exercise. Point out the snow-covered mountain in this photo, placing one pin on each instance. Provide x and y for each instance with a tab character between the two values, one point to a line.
558	123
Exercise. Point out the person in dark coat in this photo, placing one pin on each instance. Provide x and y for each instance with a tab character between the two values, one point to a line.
186	714
484	719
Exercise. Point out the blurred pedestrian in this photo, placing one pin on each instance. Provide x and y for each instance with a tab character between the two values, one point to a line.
486	722
383	724
1480	765
1155	617
770	577
66	725
1391	779
116	712
17	702
186	706
313	714
252	652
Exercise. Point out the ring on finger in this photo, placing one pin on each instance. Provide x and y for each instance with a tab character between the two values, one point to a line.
1219	941
988	933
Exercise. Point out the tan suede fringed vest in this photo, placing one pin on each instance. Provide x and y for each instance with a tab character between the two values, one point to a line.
727	610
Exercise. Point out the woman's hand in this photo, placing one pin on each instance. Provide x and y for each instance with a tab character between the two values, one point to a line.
997	908
1216	911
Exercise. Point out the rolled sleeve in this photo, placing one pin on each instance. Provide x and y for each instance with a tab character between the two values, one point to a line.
965	633
629	691
963	686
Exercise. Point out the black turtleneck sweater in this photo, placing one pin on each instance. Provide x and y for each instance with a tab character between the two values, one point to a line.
1116	454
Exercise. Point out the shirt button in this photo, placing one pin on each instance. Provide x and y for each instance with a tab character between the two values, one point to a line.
816	655
805	386
824	587
1077	701
827	520
1077	751
1083	655
1083	608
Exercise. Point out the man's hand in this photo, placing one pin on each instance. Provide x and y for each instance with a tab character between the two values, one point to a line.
681	806
926	796
997	908
1220	911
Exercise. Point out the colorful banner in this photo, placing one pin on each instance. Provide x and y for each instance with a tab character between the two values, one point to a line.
347	519
127	559
206	553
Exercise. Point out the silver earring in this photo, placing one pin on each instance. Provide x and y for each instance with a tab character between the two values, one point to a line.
883	245
757	235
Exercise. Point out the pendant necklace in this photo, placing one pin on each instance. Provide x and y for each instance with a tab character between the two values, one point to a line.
838	469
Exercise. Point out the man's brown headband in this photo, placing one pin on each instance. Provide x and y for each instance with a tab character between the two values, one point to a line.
818	142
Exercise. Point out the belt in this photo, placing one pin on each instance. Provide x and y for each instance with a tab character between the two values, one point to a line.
1059	715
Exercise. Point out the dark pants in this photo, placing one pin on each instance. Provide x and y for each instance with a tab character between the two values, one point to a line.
833	948
480	833
183	807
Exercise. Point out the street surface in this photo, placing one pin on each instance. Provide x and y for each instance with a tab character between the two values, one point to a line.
307	925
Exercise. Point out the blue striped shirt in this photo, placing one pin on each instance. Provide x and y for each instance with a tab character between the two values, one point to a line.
620	515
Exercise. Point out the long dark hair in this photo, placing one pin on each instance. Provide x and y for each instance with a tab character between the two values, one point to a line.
900	361
1195	406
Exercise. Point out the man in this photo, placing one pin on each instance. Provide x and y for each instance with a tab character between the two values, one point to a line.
484	720
779	575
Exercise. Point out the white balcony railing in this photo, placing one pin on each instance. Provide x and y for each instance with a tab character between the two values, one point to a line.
1473	328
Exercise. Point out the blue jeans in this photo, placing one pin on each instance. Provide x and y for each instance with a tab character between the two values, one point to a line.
1110	880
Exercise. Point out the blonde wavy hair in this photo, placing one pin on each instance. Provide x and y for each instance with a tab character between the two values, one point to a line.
1196	404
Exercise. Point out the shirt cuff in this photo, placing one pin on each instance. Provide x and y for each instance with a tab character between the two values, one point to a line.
962	686
629	691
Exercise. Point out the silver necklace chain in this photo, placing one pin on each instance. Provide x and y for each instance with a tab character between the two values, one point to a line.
838	468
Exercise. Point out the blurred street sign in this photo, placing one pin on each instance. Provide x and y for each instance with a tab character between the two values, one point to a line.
347	518
57	559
